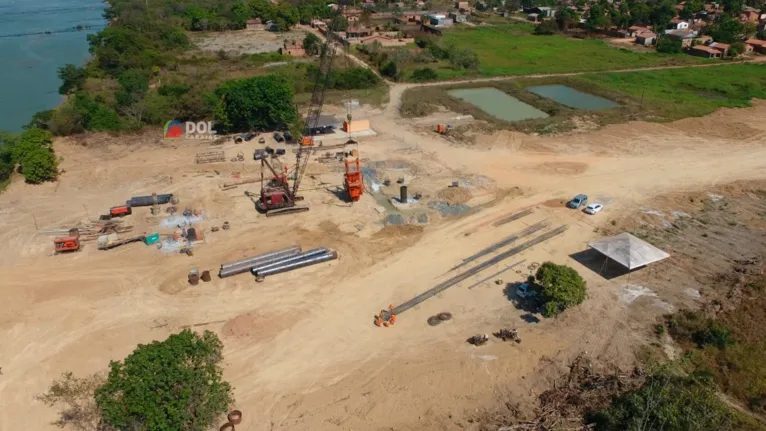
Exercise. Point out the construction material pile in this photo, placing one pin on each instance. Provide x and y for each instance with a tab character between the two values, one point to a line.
276	262
93	229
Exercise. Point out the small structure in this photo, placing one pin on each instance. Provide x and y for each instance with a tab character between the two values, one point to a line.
457	17
685	36
723	48
704	51
646	38
440	20
677	24
757	45
629	251
293	48
464	6
635	30
358	32
254	23
356	126
326	124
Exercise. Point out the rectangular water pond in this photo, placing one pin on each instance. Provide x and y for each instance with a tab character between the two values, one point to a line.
572	98
498	104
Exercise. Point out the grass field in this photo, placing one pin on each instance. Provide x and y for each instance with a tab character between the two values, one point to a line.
688	92
513	50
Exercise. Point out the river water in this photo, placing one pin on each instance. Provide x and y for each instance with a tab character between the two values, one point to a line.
28	62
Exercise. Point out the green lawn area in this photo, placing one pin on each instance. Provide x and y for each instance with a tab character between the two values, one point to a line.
688	92
512	50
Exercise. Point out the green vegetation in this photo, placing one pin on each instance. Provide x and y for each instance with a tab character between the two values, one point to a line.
175	384
513	50
671	401
144	72
259	103
562	287
32	152
692	92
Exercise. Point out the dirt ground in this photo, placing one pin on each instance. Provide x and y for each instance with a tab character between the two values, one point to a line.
249	41
301	349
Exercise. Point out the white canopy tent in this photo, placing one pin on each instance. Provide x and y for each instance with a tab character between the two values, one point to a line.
629	251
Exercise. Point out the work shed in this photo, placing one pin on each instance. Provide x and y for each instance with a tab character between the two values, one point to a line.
628	251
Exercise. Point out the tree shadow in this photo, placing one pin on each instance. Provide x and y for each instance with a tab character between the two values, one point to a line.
600	264
530	305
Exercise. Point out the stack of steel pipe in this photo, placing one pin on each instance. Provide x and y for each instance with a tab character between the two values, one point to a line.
308	258
244	265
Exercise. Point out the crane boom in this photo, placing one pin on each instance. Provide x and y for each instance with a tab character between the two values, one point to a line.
327	55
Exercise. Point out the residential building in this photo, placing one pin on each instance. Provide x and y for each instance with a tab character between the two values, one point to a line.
685	36
757	45
676	24
440	20
293	48
704	51
723	48
635	30
385	40
464	6
358	32
646	38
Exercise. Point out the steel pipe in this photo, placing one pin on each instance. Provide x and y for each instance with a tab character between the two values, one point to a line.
290	259
326	257
281	252
244	265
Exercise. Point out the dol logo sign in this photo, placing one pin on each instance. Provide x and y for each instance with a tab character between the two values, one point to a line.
174	129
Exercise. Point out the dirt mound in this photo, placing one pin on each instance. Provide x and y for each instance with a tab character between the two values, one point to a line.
454	195
562	168
257	327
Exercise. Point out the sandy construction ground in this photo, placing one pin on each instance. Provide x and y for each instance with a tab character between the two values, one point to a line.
301	349
250	41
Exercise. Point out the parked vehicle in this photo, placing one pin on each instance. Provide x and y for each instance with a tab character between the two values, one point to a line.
278	137
525	290
593	208
578	201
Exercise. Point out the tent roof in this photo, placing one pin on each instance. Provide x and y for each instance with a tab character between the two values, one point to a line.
629	251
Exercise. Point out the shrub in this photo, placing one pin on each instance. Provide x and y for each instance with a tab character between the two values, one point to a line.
669	46
261	102
391	70
562	287
175	384
424	74
39	165
713	334
546	28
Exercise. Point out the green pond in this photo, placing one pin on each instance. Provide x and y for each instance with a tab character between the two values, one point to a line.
572	98
498	104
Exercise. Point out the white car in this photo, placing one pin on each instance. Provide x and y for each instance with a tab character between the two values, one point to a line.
593	208
524	290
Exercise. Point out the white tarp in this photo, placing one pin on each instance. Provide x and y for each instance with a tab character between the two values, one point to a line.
629	251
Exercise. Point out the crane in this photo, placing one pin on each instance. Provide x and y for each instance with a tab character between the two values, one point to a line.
277	196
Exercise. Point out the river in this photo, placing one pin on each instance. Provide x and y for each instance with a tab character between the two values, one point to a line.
28	80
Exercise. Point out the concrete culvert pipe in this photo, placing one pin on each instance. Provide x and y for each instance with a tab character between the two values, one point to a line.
228	426
235	417
312	260
288	259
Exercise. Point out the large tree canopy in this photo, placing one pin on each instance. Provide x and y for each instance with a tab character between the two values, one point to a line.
171	385
259	103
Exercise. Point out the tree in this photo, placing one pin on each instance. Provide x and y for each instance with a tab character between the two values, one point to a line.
732	7
669	46
423	74
662	14
77	395
565	17
562	287
366	17
391	70
258	103
639	13
597	17
40	120
176	384
726	30
312	43
72	78
339	23
737	48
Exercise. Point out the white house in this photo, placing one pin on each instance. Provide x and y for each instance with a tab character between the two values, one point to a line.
677	25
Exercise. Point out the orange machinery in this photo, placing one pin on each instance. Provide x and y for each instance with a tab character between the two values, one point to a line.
68	243
120	211
353	180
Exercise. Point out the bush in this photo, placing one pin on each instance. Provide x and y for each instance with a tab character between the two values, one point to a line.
714	334
669	402
546	28
562	287
39	165
424	74
391	70
669	46
175	384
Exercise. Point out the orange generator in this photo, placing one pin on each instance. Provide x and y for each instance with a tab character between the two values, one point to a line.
68	243
353	181
120	211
